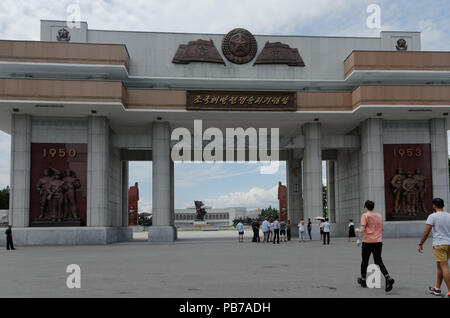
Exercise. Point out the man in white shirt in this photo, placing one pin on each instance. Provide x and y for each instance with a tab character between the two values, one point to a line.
266	228
439	224
326	232
276	231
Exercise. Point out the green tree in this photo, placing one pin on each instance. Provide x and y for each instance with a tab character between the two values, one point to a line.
324	201
270	213
4	199
245	221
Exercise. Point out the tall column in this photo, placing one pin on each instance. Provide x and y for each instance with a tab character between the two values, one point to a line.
163	229
19	205
312	171
439	159
372	164
98	172
172	195
125	187
294	187
331	191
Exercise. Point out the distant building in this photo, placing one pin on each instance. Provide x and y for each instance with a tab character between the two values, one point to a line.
282	200
215	217
4	218
133	208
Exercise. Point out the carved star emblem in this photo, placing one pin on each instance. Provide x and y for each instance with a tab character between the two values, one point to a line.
239	43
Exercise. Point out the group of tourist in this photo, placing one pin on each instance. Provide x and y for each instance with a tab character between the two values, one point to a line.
438	223
275	230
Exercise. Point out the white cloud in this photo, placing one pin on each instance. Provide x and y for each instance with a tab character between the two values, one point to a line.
431	36
207	172
254	198
144	205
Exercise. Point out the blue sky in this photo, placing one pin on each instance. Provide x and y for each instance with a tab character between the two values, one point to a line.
225	184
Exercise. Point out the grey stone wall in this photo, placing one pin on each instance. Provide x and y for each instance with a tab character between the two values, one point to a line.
348	186
151	53
59	130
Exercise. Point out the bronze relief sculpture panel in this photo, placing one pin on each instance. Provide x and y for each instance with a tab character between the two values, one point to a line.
239	46
58	197
279	53
408	181
409	190
58	179
198	51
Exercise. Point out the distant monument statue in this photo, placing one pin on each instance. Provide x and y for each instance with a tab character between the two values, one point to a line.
201	211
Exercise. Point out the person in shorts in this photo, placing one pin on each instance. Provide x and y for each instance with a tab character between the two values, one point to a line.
283	231
438	224
240	229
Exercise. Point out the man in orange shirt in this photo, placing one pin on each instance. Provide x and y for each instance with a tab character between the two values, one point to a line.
372	226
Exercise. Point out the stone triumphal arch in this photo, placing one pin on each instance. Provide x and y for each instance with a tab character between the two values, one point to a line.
80	104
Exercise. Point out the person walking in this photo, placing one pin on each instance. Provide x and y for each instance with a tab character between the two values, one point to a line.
9	238
276	231
301	231
372	226
309	228
266	229
288	230
240	229
255	228
438	224
351	231
283	231
326	232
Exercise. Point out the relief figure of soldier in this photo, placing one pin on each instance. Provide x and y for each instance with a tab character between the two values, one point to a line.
410	187
421	185
72	184
43	187
399	197
56	197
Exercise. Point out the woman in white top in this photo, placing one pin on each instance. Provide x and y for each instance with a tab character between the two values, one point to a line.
301	231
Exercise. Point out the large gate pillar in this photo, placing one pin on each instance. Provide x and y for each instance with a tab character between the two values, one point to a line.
372	164
163	229
294	186
312	171
439	159
19	210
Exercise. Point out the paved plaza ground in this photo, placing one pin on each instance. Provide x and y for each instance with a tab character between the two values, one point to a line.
211	264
